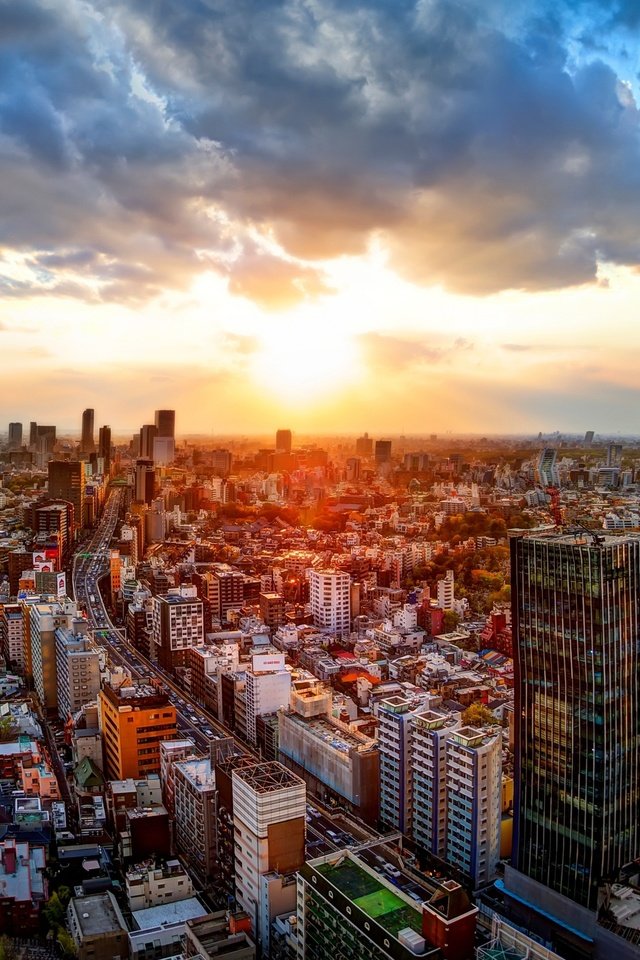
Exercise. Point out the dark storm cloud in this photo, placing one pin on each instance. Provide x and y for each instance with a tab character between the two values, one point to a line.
139	140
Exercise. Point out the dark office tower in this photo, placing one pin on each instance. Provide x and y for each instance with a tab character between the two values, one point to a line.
148	433
87	442
383	451
145	481
33	433
67	482
104	445
588	438
364	446
15	436
166	423
283	441
576	639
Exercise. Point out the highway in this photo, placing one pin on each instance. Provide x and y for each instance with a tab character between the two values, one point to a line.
90	564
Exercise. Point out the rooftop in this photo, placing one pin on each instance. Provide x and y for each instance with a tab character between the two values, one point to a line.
371	895
178	911
98	914
268	777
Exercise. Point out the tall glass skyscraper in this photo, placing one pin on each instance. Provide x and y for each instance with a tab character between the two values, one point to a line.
576	635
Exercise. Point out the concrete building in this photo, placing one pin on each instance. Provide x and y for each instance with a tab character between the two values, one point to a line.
98	928
222	591
474	807
159	931
134	720
396	775
78	672
272	609
44	620
430	732
269	809
268	687
154	886
11	635
171	752
221	935
446	591
176	625
336	764
195	816
330	597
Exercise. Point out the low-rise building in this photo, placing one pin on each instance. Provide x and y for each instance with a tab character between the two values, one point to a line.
98	928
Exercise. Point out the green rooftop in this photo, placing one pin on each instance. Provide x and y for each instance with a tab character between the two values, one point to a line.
372	897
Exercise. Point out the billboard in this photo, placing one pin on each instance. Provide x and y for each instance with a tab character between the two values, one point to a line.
266	662
61	584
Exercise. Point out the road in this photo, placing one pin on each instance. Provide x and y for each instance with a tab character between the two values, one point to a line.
89	566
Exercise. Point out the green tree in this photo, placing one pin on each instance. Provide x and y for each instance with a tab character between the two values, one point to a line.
477	715
67	944
54	912
450	621
7	949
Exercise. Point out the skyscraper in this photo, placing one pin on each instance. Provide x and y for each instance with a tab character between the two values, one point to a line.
330	593
67	482
576	620
166	423
104	445
148	433
283	441
15	436
87	441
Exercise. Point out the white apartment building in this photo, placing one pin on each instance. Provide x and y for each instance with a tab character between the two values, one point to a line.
394	743
267	688
330	597
44	620
474	784
430	732
269	809
177	623
446	591
78	672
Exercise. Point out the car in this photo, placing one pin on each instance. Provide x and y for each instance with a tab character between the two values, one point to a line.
391	870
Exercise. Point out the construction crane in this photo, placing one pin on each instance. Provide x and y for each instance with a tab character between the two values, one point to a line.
555	509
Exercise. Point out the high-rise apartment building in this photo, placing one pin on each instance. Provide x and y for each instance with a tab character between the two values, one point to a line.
67	482
430	732
87	440
283	441
474	809
547	474
330	596
575	621
268	687
78	672
134	720
165	421
44	621
15	436
194	785
222	591
176	624
269	809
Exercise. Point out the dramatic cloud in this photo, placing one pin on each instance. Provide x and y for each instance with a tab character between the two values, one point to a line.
485	148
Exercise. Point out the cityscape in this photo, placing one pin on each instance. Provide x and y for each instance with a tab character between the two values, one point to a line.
319	480
373	698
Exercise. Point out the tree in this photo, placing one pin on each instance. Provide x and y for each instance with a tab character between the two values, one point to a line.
477	715
67	944
450	621
54	912
7	949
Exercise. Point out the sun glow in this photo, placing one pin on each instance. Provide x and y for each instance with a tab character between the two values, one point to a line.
301	362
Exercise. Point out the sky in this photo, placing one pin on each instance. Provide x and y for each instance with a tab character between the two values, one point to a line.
398	216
